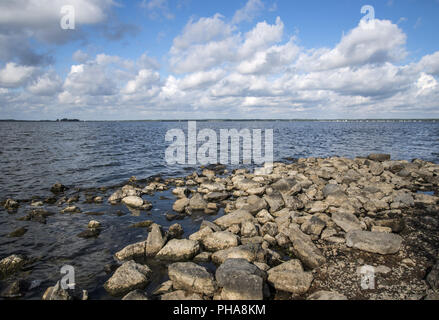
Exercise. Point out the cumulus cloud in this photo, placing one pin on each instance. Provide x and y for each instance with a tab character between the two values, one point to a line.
13	75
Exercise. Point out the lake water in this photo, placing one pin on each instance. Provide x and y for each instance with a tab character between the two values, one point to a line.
35	155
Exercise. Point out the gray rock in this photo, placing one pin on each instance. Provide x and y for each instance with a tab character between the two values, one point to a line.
192	277
155	241
240	280
331	189
326	295
179	250
290	277
375	242
130	276
220	241
347	221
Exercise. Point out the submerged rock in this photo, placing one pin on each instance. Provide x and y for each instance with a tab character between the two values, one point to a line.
58	293
11	265
192	277
130	276
375	242
18	233
58	188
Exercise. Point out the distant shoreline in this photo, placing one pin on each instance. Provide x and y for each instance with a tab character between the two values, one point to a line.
236	120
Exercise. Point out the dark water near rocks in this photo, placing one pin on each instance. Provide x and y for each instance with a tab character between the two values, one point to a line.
33	156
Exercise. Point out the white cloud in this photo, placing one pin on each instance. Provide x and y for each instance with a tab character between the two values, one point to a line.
250	11
13	75
46	85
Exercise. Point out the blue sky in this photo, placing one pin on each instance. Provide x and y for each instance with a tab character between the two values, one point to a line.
181	59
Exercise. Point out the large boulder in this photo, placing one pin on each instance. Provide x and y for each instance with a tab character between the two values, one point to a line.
179	250
375	242
192	277
290	277
240	280
220	241
128	277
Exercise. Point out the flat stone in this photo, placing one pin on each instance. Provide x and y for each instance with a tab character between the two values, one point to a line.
192	277
347	221
136	250
375	242
250	252
180	205
179	250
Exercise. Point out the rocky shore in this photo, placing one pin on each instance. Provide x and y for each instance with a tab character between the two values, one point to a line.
301	230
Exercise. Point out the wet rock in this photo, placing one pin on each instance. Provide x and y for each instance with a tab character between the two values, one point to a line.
179	250
135	295
175	231
37	215
143	224
16	289
133	202
250	252
180	295
71	209
58	188
236	217
90	233
180	205
155	241
379	157
347	221
58	293
197	203
11	265
192	277
326	295
130	276
240	280
290	277
375	242
94	224
220	241
18	233
11	205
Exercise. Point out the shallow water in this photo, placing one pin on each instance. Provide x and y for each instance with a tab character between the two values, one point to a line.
33	156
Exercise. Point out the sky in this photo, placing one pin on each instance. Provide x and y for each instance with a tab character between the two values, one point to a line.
198	59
